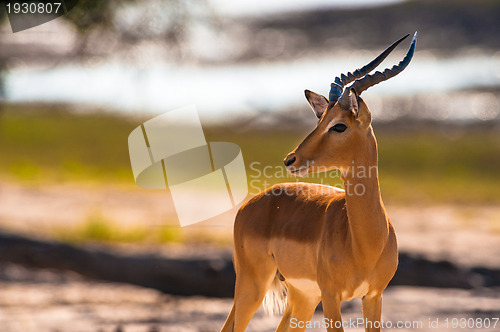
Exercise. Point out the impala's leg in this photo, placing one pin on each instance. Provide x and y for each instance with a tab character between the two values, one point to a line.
300	306
248	295
331	310
229	324
254	275
372	312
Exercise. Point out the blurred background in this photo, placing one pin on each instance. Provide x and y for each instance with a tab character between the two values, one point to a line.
82	248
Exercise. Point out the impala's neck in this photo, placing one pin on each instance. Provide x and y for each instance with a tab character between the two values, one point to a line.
367	217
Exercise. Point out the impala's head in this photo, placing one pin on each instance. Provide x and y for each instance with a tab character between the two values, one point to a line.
343	133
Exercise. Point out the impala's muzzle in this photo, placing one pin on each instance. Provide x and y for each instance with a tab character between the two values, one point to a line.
297	171
289	160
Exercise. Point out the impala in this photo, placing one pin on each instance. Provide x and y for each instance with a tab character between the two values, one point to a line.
320	243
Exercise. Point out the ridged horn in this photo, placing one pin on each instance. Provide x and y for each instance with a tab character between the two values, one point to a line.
361	85
337	86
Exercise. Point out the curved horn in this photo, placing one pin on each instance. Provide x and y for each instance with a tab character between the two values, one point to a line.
337	87
361	85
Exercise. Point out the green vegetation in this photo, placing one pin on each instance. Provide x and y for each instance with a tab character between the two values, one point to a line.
101	230
434	167
48	144
41	143
98	229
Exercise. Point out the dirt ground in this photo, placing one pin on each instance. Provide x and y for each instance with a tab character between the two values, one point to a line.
44	301
35	300
467	235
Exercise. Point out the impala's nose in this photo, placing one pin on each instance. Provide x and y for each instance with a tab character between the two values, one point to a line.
289	160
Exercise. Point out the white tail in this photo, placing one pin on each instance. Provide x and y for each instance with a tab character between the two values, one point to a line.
275	300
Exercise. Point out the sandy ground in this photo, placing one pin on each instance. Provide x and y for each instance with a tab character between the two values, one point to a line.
464	234
33	300
467	235
44	301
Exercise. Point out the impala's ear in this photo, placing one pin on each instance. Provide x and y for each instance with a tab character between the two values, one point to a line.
318	102
364	115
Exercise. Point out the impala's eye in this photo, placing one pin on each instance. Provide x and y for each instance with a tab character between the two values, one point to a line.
339	127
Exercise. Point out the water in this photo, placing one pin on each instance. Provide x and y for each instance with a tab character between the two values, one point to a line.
262	7
220	91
